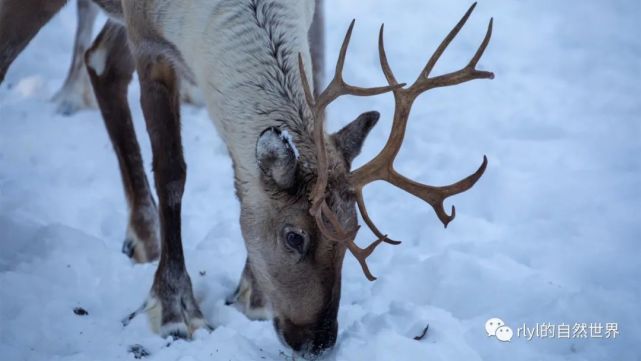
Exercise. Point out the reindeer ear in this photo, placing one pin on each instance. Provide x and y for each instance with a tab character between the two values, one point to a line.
276	157
350	139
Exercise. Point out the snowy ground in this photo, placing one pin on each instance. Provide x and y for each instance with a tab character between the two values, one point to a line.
550	233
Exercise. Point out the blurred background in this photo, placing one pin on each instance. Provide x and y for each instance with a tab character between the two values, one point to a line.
550	234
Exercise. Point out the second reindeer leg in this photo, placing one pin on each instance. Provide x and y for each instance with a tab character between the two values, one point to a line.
76	93
172	307
110	67
248	297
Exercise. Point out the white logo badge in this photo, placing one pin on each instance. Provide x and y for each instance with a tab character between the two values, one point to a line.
496	327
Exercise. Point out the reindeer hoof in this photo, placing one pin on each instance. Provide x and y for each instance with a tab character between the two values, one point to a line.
71	100
128	247
68	108
175	330
75	95
178	321
248	299
177	317
138	250
172	309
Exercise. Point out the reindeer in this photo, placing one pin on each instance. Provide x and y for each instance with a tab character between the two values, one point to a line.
297	190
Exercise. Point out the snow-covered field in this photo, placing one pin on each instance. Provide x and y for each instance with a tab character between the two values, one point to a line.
550	234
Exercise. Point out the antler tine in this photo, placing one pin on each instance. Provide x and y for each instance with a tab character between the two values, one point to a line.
363	210
340	63
435	196
445	43
360	254
318	192
338	86
383	58
479	52
303	76
469	72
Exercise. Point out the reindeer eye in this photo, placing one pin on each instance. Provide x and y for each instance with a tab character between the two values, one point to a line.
296	241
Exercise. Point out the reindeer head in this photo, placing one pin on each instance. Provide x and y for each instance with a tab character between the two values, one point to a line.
297	236
300	272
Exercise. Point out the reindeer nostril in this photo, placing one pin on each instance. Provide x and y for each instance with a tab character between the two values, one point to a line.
324	340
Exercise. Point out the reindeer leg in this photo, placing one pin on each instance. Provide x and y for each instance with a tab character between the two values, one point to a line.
110	67
248	298
317	46
76	92
20	21
172	307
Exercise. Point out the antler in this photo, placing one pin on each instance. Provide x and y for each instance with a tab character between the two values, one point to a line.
319	208
381	167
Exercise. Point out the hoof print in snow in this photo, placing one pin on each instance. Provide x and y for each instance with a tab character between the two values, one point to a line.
138	351
423	334
286	357
80	311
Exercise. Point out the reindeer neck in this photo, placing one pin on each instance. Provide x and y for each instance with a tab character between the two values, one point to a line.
245	60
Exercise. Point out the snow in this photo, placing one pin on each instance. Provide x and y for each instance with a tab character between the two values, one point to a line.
549	234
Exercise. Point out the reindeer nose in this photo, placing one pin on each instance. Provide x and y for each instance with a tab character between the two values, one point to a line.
309	341
324	338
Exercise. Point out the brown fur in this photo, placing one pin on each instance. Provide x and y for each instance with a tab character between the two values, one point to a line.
20	21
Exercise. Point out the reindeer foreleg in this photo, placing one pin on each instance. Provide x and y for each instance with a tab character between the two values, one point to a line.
76	93
110	67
